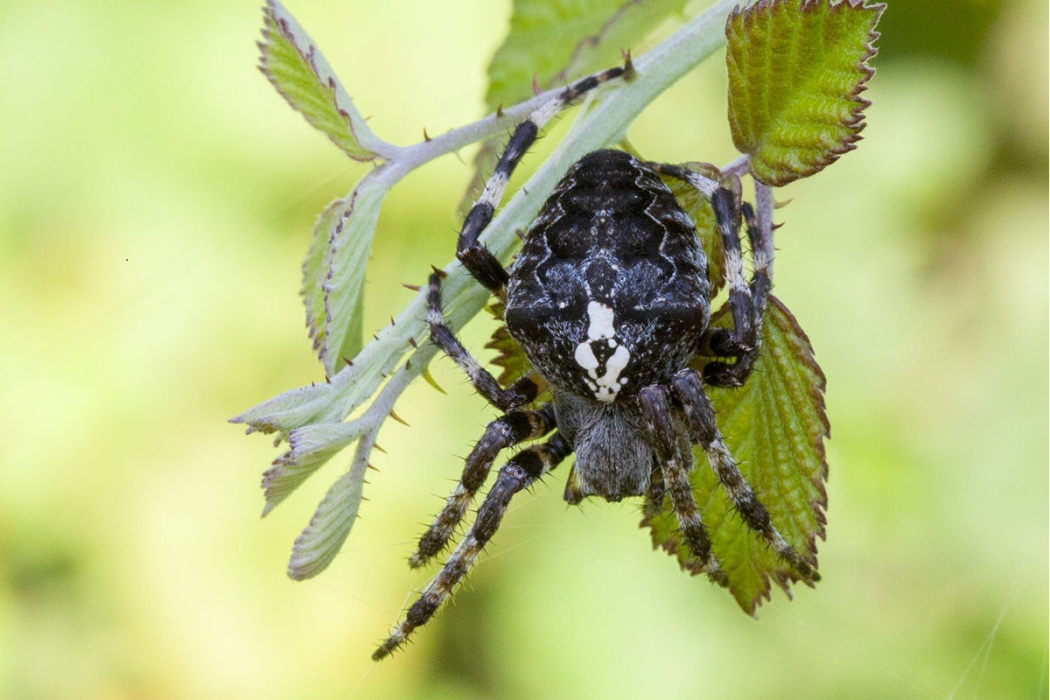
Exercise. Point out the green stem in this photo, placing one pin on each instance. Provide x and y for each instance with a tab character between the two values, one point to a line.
606	122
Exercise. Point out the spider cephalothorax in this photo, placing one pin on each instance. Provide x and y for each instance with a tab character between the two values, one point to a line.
609	300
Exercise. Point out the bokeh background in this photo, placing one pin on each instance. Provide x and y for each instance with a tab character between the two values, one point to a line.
156	198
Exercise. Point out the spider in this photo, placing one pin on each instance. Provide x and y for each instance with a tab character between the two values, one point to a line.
609	299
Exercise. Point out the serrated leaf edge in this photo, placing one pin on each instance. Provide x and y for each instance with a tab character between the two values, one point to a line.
855	122
277	18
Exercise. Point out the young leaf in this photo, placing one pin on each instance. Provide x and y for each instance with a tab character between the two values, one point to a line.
334	273
796	71
289	410
775	427
309	448
322	539
296	67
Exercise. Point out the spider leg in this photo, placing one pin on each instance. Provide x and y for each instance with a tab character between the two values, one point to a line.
507	430
520	393
518	473
654	497
746	301
482	264
761	279
700	416
676	461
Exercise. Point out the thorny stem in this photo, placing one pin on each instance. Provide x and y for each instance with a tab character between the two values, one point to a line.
596	126
655	71
764	212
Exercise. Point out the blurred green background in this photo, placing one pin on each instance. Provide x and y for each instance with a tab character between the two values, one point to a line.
156	198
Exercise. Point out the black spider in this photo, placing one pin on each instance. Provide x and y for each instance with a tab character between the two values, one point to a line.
609	299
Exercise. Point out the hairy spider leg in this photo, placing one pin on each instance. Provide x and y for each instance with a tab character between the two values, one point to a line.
510	429
482	264
752	304
520	393
520	472
654	497
676	461
746	301
700	416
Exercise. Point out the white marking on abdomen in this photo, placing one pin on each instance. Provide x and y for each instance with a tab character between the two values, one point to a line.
602	329
601	321
585	357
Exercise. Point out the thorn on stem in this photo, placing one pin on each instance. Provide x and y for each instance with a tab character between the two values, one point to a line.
431	381
628	65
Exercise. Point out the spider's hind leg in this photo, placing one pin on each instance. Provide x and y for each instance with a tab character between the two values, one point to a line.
520	472
700	416
507	430
675	457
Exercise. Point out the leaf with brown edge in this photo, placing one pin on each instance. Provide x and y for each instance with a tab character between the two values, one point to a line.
775	427
797	69
296	67
334	273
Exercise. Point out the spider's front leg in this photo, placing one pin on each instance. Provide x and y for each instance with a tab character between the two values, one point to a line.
520	472
700	416
510	429
507	430
676	461
482	264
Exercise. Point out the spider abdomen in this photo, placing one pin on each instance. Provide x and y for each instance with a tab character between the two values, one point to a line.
609	292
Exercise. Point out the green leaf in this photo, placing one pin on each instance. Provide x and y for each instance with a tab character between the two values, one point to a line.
322	539
775	427
796	72
309	448
296	67
289	410
558	41
334	273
